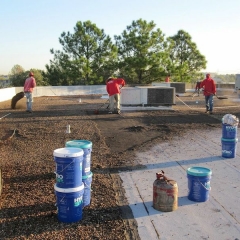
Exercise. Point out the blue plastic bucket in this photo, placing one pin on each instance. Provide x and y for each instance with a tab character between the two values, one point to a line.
198	183
86	146
229	147
69	203
229	131
68	167
87	181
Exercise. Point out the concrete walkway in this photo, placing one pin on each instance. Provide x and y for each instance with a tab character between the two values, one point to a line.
217	219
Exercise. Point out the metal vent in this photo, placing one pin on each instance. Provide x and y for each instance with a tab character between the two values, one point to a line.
161	96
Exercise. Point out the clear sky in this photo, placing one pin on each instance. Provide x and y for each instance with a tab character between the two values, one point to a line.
29	29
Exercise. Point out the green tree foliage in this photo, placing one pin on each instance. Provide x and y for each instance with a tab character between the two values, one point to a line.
185	59
39	77
16	69
88	56
18	76
56	75
141	55
141	52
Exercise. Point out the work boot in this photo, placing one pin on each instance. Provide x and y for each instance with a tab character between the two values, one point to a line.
211	112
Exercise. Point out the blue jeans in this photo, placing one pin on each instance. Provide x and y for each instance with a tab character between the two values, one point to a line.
29	100
209	103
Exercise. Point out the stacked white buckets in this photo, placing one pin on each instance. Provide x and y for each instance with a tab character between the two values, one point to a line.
73	181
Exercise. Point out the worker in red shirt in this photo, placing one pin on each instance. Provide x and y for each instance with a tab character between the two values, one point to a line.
209	90
167	79
197	87
113	88
29	85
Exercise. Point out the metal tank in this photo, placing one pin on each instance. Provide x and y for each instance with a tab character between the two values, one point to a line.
165	193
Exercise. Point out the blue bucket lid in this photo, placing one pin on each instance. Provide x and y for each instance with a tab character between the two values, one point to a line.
199	171
87	176
68	152
230	139
79	144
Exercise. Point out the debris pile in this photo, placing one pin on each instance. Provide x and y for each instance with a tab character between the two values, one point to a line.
230	119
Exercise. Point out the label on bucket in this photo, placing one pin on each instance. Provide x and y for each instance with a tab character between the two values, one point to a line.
199	188
86	167
197	185
227	152
196	190
78	201
68	172
69	203
59	178
87	159
229	147
229	131
230	128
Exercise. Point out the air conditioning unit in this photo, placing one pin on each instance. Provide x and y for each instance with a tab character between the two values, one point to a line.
237	82
148	96
179	86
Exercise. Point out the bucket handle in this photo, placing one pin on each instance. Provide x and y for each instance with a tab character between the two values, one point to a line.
204	186
66	166
62	198
88	186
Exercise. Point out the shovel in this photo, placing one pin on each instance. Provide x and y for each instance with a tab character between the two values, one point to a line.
221	97
218	97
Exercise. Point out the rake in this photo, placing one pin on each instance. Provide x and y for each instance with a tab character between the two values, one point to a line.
97	110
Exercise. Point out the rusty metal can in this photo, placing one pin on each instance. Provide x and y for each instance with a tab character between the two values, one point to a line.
165	194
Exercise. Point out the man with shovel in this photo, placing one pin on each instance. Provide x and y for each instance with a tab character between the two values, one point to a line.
209	90
113	89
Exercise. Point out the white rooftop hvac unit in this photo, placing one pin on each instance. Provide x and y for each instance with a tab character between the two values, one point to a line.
148	96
